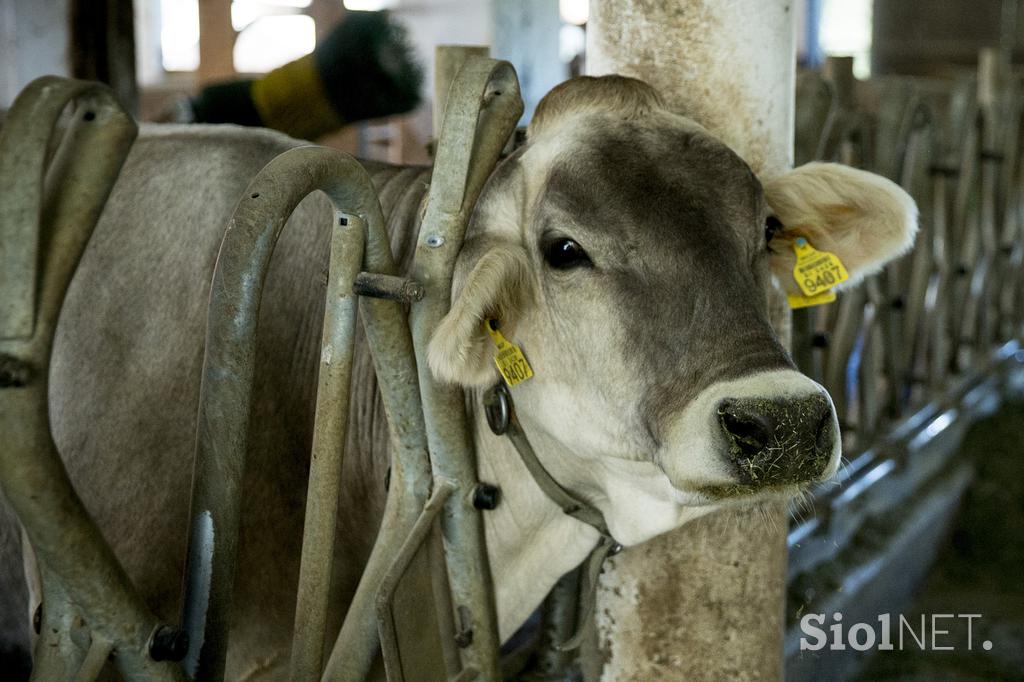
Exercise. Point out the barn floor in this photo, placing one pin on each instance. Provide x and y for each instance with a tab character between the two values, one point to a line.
980	571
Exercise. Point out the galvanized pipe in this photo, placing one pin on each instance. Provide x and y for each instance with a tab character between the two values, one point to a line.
402	559
94	661
70	548
329	429
961	236
976	321
466	154
482	109
57	655
226	388
390	343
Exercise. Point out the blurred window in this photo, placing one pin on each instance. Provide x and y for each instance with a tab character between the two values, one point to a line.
845	30
574	11
369	5
179	34
269	33
270	41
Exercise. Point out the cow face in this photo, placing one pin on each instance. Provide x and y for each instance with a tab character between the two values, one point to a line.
631	255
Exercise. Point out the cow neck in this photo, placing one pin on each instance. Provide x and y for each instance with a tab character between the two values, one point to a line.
502	420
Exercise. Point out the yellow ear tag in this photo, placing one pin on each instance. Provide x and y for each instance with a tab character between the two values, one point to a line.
816	272
801	301
508	357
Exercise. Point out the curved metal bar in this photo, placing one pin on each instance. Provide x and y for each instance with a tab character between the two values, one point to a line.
483	108
228	370
26	136
65	207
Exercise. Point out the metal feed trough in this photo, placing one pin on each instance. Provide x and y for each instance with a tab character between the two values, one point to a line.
431	543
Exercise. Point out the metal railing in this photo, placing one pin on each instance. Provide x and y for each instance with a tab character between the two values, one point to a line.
430	531
928	345
431	447
47	213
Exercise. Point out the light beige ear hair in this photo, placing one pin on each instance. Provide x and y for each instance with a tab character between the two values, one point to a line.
496	288
862	217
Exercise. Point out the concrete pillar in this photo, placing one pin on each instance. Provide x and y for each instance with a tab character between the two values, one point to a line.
705	602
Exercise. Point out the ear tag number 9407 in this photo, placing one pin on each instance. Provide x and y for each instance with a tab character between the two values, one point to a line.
508	357
816	272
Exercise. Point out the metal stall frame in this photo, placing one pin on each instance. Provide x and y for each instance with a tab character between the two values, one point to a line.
92	612
47	214
426	418
959	358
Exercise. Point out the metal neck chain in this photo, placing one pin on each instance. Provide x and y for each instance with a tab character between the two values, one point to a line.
501	417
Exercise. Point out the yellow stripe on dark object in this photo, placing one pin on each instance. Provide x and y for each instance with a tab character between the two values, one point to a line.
291	99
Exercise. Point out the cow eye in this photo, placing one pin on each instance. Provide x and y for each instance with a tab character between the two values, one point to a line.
771	227
565	253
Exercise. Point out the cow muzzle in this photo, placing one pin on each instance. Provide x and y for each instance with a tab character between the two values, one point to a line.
770	431
778	441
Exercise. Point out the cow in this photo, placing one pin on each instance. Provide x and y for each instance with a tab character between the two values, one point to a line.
627	251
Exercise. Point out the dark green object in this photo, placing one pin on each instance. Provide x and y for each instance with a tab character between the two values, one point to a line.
366	65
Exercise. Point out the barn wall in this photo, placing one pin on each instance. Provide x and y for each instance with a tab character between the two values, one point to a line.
933	37
704	602
33	43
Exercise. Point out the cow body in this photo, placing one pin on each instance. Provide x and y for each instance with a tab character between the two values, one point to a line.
623	247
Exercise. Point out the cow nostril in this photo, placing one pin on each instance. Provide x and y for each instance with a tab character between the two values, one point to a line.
748	431
778	440
824	433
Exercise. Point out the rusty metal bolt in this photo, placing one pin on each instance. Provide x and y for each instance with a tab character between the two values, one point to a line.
14	373
168	644
388	287
486	496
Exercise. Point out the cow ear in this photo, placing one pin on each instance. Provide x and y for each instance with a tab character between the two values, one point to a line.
491	283
863	218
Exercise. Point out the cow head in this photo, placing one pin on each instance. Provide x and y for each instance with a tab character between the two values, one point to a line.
631	255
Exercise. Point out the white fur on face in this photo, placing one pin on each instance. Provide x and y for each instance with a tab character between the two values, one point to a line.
644	496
